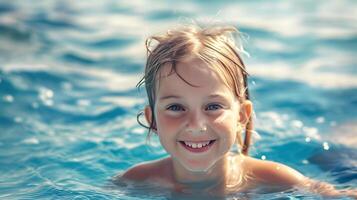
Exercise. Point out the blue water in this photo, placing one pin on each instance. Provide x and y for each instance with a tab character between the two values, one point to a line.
68	101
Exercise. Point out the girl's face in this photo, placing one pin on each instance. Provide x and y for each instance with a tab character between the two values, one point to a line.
197	126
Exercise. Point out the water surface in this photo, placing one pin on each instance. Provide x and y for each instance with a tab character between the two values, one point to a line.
68	101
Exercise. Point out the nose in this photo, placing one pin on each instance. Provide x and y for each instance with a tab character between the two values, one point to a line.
196	123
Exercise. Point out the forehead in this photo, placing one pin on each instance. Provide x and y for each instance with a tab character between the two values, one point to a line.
199	78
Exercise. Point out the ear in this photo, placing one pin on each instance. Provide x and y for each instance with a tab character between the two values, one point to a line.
245	112
148	117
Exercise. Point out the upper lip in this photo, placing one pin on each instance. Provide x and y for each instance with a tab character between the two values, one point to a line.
196	140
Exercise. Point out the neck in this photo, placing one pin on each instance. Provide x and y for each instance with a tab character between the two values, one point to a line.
220	174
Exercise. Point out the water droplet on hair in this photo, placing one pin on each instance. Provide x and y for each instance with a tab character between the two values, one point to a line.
263	157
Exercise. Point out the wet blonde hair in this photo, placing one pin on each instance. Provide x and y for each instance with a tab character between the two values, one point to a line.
213	45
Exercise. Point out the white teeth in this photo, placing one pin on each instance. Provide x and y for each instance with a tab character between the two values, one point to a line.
196	145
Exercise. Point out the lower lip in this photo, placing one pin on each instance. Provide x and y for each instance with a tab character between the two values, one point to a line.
198	150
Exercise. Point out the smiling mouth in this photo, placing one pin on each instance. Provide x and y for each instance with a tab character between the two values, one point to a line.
197	147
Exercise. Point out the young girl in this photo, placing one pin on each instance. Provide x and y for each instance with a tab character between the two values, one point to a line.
199	107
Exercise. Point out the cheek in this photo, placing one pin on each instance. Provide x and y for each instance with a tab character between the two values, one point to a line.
226	127
226	122
167	123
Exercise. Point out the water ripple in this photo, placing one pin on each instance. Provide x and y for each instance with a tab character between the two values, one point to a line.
68	101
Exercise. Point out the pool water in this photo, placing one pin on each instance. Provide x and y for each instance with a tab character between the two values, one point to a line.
68	101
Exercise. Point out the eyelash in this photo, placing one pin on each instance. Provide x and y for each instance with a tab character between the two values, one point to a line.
175	107
217	106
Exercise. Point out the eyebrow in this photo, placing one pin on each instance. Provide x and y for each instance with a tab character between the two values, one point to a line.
169	97
215	96
178	97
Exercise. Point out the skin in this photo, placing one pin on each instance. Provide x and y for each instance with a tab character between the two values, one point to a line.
181	112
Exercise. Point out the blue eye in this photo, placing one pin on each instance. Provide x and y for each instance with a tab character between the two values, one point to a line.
213	107
175	107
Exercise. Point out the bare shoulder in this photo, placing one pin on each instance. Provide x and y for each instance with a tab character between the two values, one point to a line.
274	173
147	170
